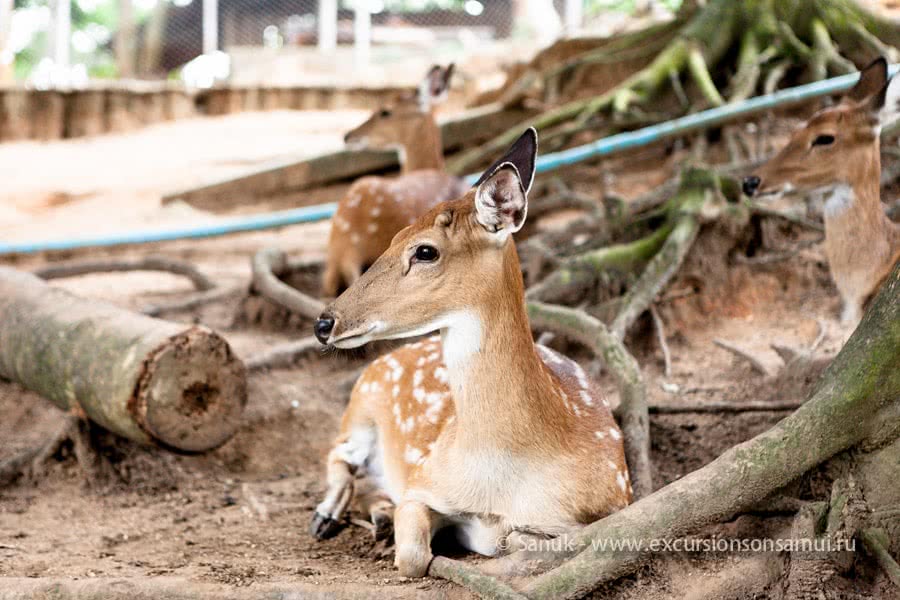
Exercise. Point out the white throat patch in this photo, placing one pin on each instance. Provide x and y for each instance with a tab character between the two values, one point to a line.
838	200
461	337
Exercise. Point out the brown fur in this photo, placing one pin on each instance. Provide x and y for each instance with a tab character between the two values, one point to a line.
483	443
376	208
861	243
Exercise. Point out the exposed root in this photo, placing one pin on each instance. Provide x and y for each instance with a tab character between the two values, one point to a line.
759	209
661	340
876	543
724	407
283	355
861	386
632	411
267	265
149	263
32	464
472	579
758	365
700	72
195	301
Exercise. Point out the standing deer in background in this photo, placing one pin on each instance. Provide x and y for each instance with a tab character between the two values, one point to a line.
480	429
376	208
837	153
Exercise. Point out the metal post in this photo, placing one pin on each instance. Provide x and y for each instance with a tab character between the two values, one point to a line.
210	26
6	54
362	32
62	34
328	16
574	15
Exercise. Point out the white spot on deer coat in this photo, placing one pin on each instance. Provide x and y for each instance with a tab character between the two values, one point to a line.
614	433
620	479
412	455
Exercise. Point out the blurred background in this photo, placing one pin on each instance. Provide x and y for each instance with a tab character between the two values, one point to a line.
54	43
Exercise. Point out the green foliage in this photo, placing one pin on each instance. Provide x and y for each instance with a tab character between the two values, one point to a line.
595	7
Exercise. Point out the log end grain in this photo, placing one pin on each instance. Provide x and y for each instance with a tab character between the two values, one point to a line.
191	392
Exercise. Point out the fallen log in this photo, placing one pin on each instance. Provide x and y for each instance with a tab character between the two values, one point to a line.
148	380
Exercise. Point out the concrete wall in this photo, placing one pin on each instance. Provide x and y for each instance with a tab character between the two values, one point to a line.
50	115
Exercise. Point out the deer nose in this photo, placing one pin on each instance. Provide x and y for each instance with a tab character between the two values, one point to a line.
751	184
323	327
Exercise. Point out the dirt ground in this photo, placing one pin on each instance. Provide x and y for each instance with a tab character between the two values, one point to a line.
237	517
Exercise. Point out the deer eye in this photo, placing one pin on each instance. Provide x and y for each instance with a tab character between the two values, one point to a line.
426	253
823	140
384	112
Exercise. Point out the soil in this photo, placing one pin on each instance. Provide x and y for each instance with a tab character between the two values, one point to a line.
237	517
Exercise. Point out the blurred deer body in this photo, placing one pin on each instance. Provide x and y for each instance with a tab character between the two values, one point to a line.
837	155
376	208
479	429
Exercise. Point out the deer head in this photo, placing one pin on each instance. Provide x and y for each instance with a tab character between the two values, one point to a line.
399	122
837	146
454	259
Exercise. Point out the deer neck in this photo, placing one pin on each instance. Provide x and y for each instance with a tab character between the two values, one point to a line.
502	390
854	208
421	148
857	204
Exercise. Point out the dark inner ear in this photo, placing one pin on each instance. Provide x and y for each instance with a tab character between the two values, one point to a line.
872	80
522	154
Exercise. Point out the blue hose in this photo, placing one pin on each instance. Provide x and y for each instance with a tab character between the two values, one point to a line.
601	147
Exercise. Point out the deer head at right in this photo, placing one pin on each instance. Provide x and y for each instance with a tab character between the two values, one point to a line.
837	155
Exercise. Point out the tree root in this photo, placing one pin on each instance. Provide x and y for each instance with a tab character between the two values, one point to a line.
282	355
32	464
861	386
195	301
472	579
876	543
758	365
723	407
149	263
758	209
697	45
578	273
661	340
267	265
632	411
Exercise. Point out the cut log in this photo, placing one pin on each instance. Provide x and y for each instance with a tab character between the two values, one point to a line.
148	380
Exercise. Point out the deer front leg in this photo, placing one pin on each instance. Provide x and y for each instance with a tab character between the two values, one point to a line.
326	520
414	526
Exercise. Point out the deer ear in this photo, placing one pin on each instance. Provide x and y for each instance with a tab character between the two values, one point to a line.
521	155
501	195
872	81
435	86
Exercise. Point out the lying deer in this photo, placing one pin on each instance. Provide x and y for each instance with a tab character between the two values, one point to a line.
478	429
837	154
376	208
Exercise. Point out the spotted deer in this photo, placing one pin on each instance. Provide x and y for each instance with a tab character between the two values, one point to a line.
479	428
837	154
376	208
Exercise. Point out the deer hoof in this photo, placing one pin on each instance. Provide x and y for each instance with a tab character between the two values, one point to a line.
323	527
384	526
412	561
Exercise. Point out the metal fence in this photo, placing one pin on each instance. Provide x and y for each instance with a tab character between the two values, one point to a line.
57	43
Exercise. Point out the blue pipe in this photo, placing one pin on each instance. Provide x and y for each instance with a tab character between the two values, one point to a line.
549	162
270	220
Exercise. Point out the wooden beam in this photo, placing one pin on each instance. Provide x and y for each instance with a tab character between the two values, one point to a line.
286	177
